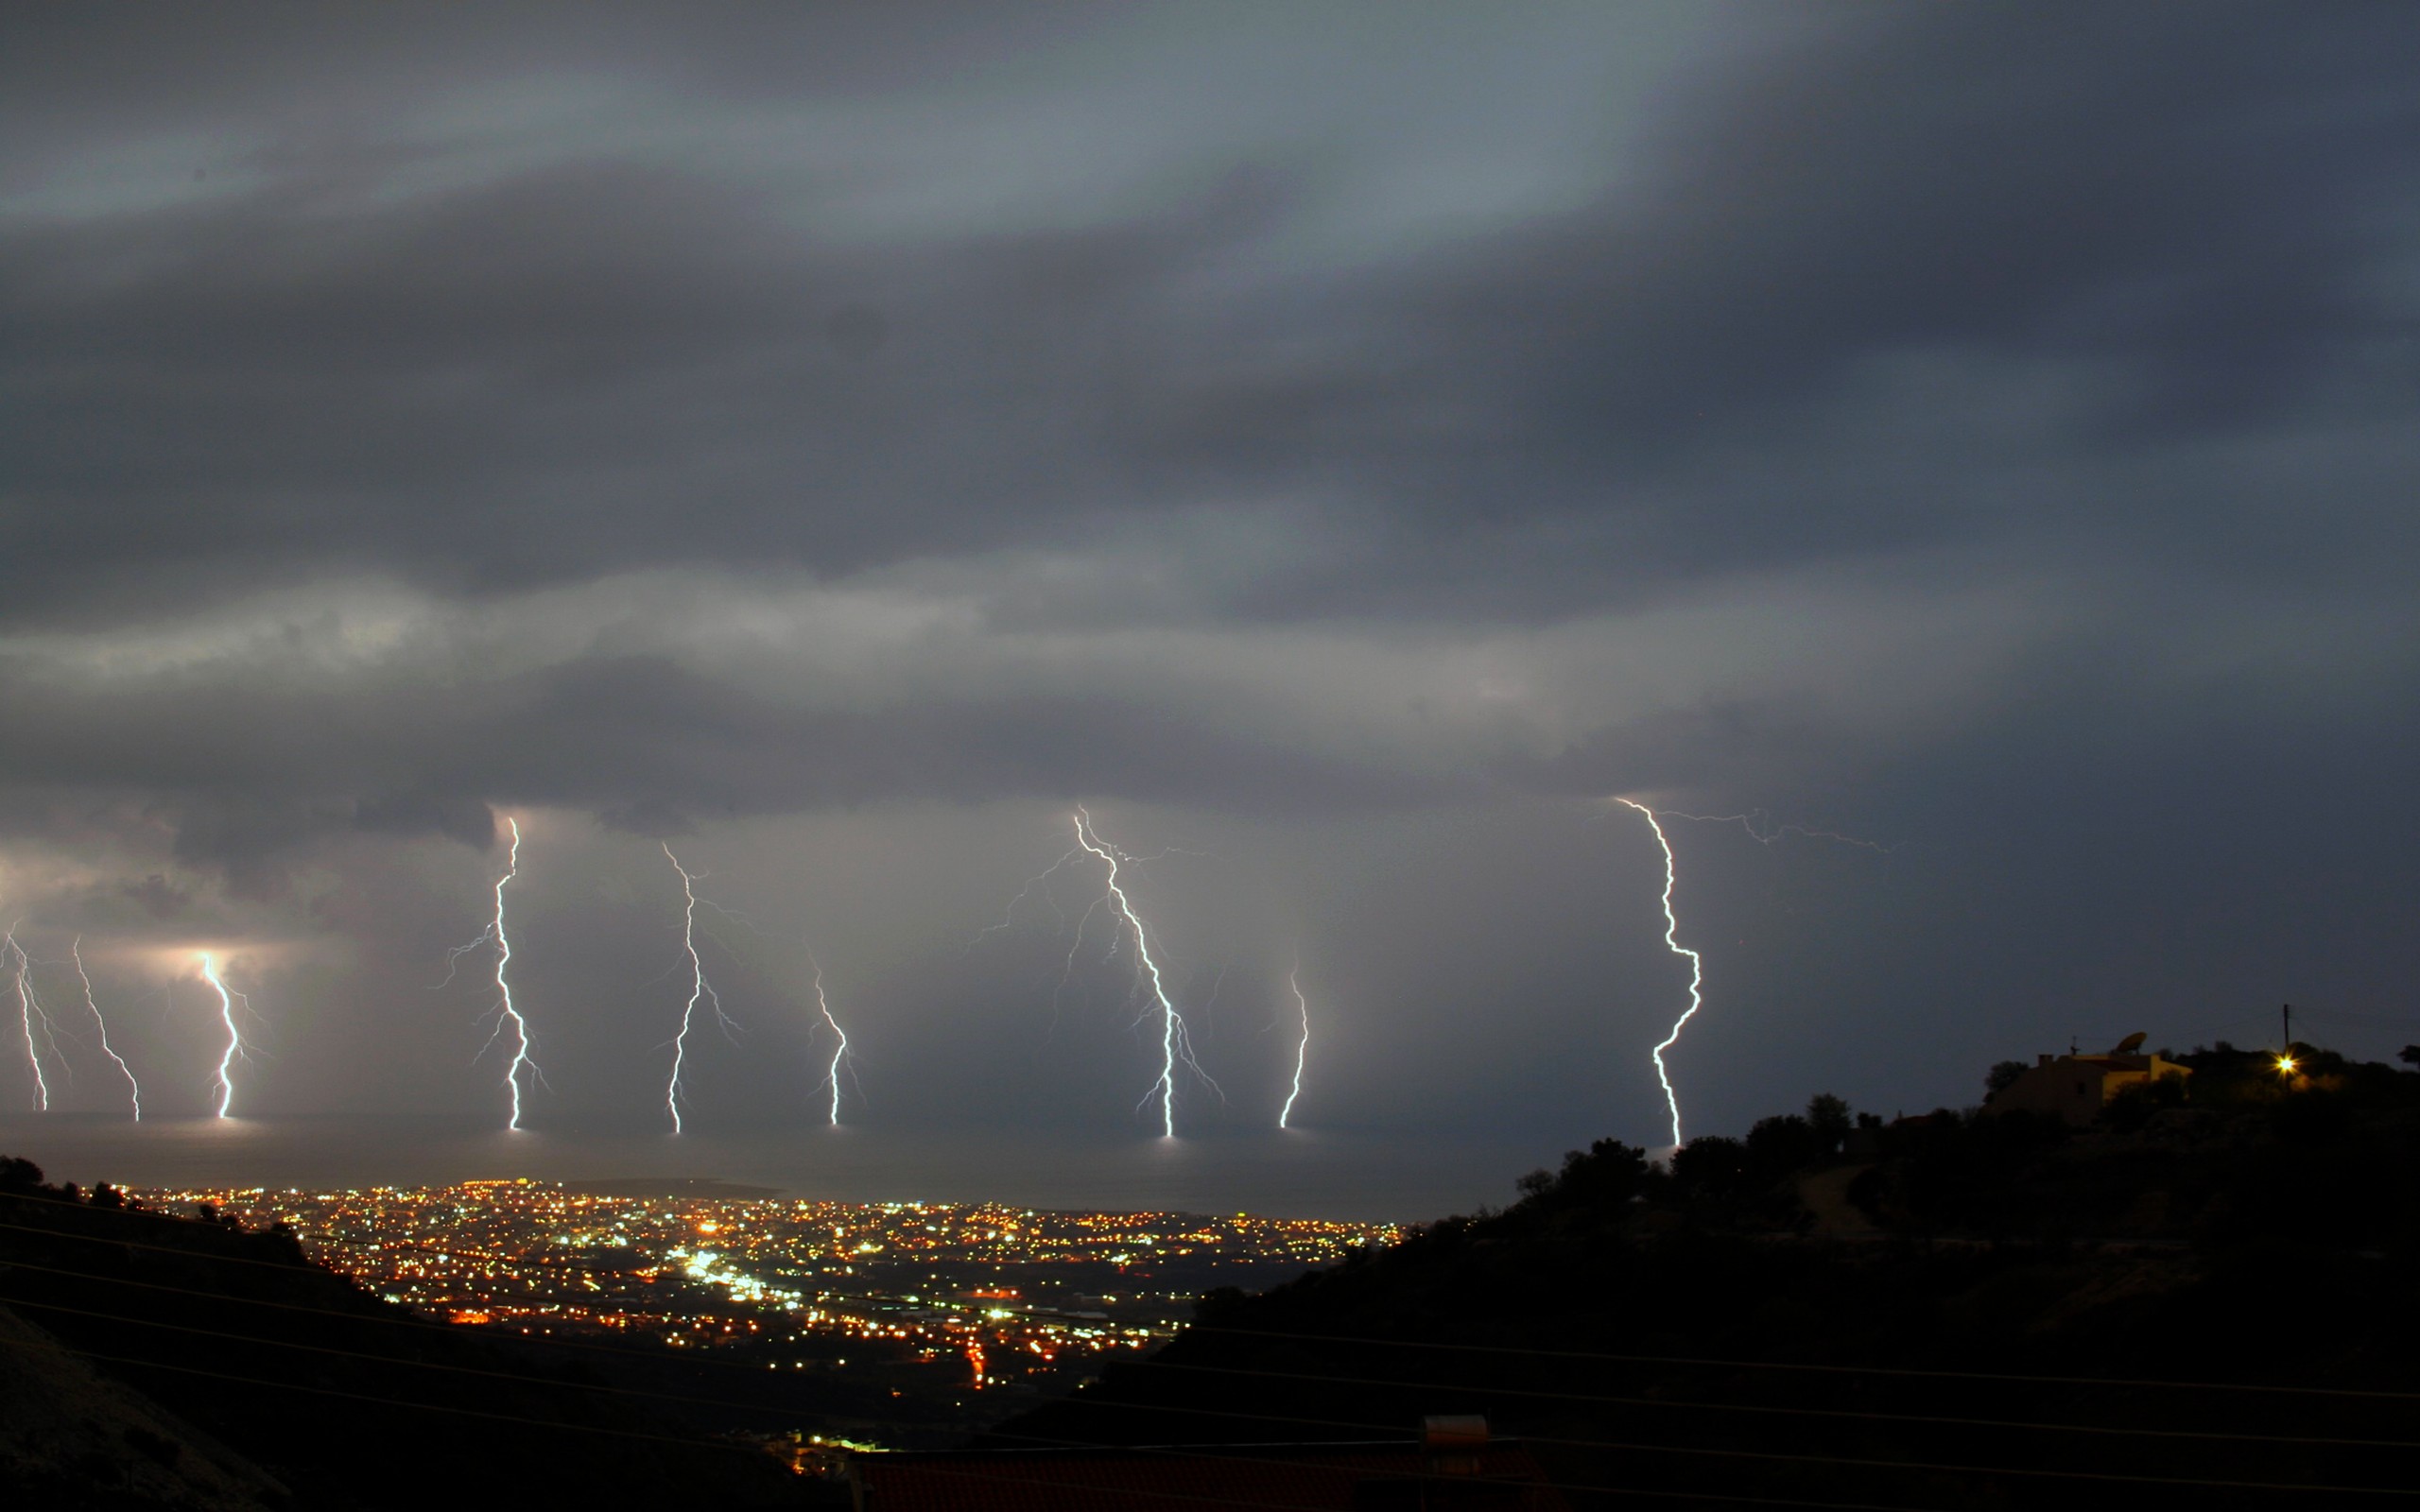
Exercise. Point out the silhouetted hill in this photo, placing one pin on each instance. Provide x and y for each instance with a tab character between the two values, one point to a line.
185	1362
1954	1311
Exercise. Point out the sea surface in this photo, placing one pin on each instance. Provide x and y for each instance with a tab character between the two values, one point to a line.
1292	1174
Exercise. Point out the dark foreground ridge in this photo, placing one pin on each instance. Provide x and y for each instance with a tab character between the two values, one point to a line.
2186	1283
152	1360
2201	1297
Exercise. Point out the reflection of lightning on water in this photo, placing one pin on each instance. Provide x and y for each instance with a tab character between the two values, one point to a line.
234	1050
1174	1048
840	1051
1302	1048
524	1046
699	989
1697	965
29	1013
134	1088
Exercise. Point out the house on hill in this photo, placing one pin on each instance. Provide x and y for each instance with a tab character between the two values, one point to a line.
2077	1087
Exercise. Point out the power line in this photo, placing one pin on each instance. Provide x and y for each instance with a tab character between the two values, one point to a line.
436	1330
1838	1413
1600	1444
1826	1369
431	1325
391	1359
1326	1338
1560	1486
2203	1483
384	1401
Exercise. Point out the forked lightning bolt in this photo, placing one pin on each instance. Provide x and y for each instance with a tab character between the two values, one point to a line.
1173	1045
133	1088
1769	835
31	1014
840	1051
699	989
1302	1047
507	1016
1697	965
234	1050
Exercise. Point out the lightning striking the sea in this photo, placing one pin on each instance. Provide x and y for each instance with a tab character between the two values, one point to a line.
700	990
1174	1047
235	1050
525	1045
133	1088
30	1012
1302	1047
1697	965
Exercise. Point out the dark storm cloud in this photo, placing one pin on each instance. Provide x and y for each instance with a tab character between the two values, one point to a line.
651	746
466	820
1990	428
599	362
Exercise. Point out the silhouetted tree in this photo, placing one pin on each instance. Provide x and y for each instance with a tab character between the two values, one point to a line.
1710	1165
1782	1144
1830	1117
2002	1076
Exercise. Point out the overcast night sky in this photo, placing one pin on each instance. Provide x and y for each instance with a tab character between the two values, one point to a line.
1344	446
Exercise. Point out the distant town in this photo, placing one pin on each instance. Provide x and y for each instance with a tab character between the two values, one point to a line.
934	1301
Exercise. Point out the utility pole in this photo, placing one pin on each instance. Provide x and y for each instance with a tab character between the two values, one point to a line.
2286	1014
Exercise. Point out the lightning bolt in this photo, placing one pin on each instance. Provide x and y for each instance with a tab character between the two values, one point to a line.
1697	965
1302	1048
699	989
1769	834
839	1052
134	1088
1173	1045
1040	879
507	1016
30	1012
235	1050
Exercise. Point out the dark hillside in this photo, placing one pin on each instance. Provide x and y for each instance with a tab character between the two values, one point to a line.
1830	1311
322	1395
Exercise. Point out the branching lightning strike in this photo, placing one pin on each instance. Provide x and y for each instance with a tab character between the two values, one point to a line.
1302	1047
699	989
525	1045
234	1050
1174	1048
1697	965
840	1051
1766	833
1040	879
31	1014
133	1088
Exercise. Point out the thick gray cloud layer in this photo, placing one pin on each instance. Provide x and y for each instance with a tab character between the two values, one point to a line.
1988	426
